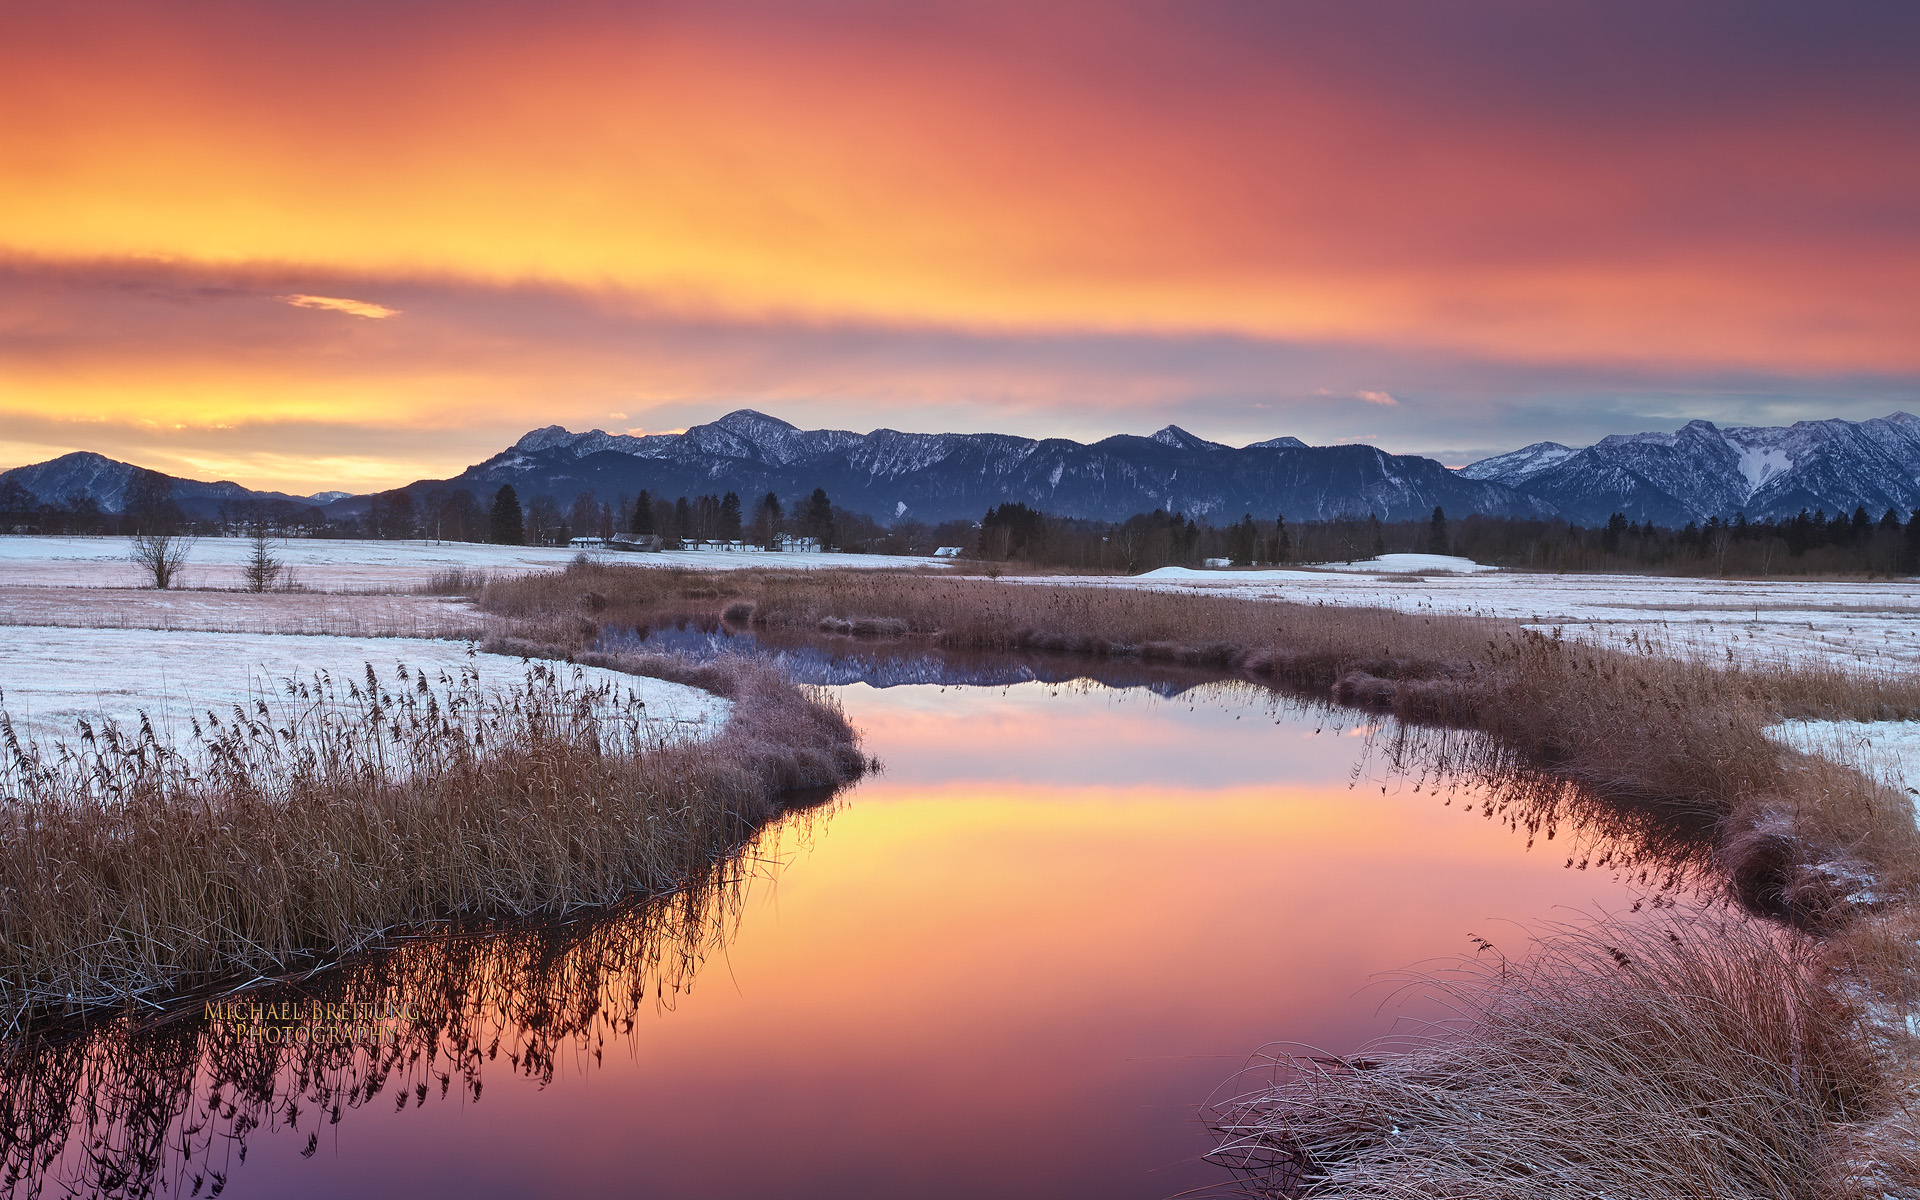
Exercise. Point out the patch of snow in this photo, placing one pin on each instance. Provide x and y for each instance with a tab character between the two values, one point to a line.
59	676
1412	564
1760	464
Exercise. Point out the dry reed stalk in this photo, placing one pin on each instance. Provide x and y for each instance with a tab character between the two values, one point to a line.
130	870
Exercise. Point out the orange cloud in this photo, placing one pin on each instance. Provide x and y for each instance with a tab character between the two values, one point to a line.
986	166
359	308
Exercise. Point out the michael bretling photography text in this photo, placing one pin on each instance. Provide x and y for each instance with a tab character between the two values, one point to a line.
290	1021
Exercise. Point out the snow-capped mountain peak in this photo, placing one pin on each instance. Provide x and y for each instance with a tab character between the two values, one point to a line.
1279	443
1180	439
543	439
1519	465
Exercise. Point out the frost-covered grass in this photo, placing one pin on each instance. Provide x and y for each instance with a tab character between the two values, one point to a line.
53	678
333	565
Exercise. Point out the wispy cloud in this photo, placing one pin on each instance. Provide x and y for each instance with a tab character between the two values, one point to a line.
358	308
1384	399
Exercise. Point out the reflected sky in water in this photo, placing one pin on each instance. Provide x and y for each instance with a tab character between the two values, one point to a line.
1013	964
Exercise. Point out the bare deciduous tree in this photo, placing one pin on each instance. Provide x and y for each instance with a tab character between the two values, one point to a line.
161	555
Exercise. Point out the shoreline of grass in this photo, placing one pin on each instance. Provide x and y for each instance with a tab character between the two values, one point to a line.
127	875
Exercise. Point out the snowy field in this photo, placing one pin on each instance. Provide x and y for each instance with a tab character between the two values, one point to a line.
1861	624
330	565
353	614
57	677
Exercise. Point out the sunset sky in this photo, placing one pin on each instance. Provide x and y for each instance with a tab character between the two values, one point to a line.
350	244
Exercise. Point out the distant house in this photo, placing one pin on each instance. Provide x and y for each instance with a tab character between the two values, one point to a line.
947	552
635	541
787	541
588	543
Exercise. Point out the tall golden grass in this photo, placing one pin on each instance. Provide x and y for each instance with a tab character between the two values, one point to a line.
352	810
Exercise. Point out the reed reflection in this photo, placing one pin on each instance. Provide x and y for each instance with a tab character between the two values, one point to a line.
145	1104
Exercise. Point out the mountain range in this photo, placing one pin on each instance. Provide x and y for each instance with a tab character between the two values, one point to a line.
942	476
1702	470
1696	472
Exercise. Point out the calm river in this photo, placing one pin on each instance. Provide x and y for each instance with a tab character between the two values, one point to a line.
1016	963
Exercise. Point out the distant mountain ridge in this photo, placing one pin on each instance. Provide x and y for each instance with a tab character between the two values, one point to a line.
1701	470
941	476
106	480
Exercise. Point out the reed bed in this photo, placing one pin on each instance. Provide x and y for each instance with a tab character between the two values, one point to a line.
350	811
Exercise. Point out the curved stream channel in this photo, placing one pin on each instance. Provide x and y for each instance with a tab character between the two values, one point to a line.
1018	962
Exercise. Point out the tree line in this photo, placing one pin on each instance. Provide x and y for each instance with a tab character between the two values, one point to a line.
1808	543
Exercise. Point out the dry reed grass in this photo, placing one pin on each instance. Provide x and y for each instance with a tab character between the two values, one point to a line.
1689	1058
334	821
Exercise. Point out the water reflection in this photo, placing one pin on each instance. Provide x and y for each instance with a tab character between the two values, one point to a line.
1026	955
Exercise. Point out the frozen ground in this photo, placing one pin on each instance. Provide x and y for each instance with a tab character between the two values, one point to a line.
331	565
1870	624
52	678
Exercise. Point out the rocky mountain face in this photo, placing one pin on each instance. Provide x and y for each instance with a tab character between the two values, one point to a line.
942	476
106	480
1701	471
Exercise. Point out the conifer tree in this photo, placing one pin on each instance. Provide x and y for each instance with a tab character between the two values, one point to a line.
506	526
816	520
730	517
643	514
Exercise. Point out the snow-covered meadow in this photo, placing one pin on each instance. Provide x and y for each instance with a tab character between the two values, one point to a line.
340	565
53	678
